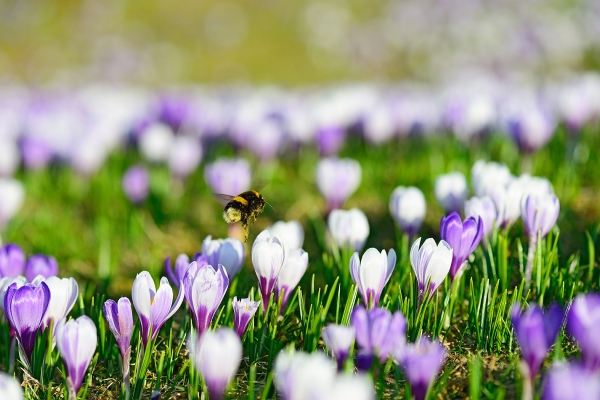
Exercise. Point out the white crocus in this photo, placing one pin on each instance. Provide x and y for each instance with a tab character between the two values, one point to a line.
431	263
372	273
269	254
291	232
451	191
301	376
408	208
63	295
349	228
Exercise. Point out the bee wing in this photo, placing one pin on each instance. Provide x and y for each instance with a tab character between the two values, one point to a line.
223	198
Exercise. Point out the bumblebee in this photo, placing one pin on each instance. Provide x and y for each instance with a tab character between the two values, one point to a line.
242	208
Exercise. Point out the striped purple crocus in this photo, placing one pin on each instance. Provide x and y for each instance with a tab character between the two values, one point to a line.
243	311
463	238
292	271
431	263
269	254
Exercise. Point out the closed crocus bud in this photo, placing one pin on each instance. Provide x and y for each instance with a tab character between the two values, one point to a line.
136	184
292	271
228	176
76	341
431	264
120	321
300	375
40	264
230	252
176	274
422	362
204	289
217	356
12	195
291	232
349	387
539	214
349	228
485	209
12	261
486	176
372	273
63	295
153	307
536	331
184	156
155	142
339	340
571	382
583	323
243	311
463	238
10	388
268	257
379	332
451	191
25	308
408	208
337	179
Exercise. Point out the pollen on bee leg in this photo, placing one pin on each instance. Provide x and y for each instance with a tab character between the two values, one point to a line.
231	215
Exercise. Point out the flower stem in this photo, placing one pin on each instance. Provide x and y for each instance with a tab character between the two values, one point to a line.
530	257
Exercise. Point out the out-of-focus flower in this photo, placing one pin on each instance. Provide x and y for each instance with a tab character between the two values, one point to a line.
337	179
583	323
291	232
12	261
36	153
431	264
378	124
120	321
269	254
136	184
463	238
184	156
40	264
217	356
267	140
230	252
536	332
349	228
531	127
482	208
301	376
451	191
330	139
153	307
486	176
372	273
339	340
76	341
10	156
176	274
422	362
156	142
571	382
539	214
12	195
243	311
292	271
228	176
63	295
348	387
408	208
10	388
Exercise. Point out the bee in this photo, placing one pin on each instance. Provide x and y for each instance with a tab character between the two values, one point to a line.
242	208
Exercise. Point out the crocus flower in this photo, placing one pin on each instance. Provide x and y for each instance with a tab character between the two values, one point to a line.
10	388
228	176
463	238
63	295
243	311
408	208
431	264
217	355
12	195
291	232
337	179
184	156
348	387
485	209
339	340
292	271
349	228
379	332
120	321
330	139
25	308
176	274
486	176
136	184
300	375
372	273
451	191
153	307
156	141
12	261
268	257
422	362
231	253
583	323
571	382
531	127
76	341
204	289
40	264
536	331
5	284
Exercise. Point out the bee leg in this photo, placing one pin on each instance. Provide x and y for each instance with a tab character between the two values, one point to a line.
245	229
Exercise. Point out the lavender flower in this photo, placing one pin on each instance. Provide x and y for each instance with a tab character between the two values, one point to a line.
291	232
40	264
292	271
136	184
531	127
63	295
330	139
583	323
120	321
482	208
231	253
451	191
12	261
463	238
348	387
422	362
339	339
408	208
269	254
228	176
185	155
12	195
10	388
243	311
431	264
301	376
176	274
372	273
337	179
349	228
571	382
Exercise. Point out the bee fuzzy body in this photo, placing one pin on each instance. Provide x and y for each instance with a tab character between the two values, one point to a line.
242	208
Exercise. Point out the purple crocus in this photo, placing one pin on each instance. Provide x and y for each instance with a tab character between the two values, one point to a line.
422	362
571	382
136	184
230	253
204	289
25	308
583	323
339	339
531	127
408	208
431	264
292	271
120	321
228	176
40	264
76	341
243	311
153	307
330	139
463	238
269	254
372	273
536	331
176	274
337	179
12	261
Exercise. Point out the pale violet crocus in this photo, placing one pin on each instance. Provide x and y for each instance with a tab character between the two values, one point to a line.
136	184
408	208
228	176
485	209
5	284
422	362
292	271
40	264
76	341
583	324
217	356
301	376
10	388
372	273
177	272
349	228
12	261
291	232
152	306
12	195
184	156
269	254
230	253
120	321
348	387
451	191
463	237
243	311
486	176
63	295
204	289
337	179
431	264
339	340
